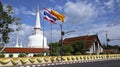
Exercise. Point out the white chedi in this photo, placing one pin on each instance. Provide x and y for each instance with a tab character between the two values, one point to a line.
36	40
17	44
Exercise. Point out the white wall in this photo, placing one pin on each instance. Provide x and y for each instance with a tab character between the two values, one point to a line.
14	54
92	49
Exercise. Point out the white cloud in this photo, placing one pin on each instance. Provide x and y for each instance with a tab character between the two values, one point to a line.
16	11
109	3
55	35
113	33
23	34
59	7
23	10
79	12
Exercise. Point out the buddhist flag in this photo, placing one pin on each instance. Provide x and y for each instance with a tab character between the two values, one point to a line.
58	15
49	17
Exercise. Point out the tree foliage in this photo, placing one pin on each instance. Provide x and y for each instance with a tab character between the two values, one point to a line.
110	46
67	49
78	46
54	48
57	49
6	19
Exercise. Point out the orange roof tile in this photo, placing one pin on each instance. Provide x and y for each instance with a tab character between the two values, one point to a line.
88	40
24	50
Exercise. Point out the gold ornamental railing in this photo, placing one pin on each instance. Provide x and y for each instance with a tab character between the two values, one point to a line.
56	59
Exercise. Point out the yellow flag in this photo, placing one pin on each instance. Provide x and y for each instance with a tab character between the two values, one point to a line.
58	15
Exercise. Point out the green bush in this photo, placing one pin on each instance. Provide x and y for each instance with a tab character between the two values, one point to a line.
67	54
93	53
10	55
2	55
22	55
77	53
47	54
37	55
27	53
55	54
103	53
40	54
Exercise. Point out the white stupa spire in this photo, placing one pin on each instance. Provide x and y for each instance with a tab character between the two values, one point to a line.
17	44
37	25
36	39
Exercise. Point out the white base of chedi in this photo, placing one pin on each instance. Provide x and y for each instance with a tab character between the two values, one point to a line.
36	41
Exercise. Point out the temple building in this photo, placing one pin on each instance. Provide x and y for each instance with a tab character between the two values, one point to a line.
37	43
91	42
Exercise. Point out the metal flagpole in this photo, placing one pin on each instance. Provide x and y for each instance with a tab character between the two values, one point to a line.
61	40
51	39
43	36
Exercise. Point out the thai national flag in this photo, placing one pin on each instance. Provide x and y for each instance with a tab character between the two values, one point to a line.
48	16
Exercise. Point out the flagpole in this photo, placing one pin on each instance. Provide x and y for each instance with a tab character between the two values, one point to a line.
61	40
51	39
43	36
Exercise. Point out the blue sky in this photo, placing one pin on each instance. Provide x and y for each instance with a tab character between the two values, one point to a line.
84	16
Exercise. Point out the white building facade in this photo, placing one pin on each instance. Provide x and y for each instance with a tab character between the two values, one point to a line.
96	48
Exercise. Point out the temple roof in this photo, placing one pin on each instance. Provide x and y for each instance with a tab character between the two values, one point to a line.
24	50
88	40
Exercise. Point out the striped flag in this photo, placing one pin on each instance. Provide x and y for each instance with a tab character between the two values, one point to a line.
59	16
49	16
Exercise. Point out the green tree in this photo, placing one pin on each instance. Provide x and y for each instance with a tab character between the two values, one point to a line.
78	46
54	49
6	19
22	55
109	46
11	55
2	54
67	50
